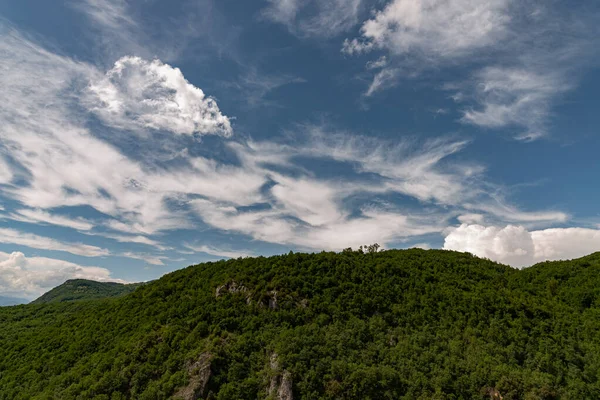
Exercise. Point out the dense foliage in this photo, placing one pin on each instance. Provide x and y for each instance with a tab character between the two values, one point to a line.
408	324
83	289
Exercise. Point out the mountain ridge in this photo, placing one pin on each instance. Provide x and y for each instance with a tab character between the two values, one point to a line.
85	289
411	324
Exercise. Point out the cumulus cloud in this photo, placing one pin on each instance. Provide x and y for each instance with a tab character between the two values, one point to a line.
309	18
32	276
47	140
516	246
137	93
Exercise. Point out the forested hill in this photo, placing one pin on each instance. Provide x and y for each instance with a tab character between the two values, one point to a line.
83	289
398	324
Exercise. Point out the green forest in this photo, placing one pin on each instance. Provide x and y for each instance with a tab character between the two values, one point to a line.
395	324
83	289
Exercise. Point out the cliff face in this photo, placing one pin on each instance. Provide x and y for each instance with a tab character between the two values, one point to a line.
198	374
280	384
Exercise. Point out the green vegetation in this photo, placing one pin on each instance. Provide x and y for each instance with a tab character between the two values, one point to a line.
398	324
83	289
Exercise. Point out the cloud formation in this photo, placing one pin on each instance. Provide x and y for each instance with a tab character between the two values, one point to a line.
516	246
137	93
266	190
32	276
13	236
433	29
309	18
520	56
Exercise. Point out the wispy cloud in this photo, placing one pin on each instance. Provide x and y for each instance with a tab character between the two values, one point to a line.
520	57
36	216
307	18
147	258
268	191
13	236
218	252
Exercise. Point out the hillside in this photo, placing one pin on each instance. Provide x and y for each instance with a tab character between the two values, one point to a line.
82	289
398	324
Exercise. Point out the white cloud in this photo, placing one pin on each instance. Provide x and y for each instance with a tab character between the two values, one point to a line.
278	226
6	174
149	259
46	138
516	97
268	193
115	29
423	246
14	236
566	243
384	79
516	246
309	18
137	94
471	218
433	29
218	252
35	216
134	239
32	276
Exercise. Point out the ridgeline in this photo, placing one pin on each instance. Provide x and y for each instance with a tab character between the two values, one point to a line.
83	289
397	324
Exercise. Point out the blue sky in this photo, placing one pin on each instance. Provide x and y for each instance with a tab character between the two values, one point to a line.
139	137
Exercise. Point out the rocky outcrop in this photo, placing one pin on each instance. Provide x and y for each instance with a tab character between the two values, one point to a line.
280	383
199	373
494	394
285	388
273	299
231	287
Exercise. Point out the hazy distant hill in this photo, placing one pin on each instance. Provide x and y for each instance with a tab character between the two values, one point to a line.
398	324
82	289
12	301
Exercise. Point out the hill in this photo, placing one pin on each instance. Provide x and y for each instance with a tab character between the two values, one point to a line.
398	324
11	301
82	289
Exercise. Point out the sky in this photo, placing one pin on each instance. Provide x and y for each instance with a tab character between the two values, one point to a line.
140	137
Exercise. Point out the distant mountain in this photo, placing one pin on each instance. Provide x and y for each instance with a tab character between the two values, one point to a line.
82	289
12	301
396	324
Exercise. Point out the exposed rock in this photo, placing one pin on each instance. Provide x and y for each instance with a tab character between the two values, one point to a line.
303	303
494	394
285	389
273	300
280	384
199	374
231	287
